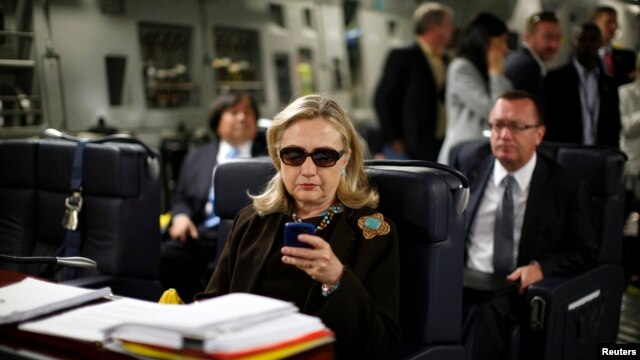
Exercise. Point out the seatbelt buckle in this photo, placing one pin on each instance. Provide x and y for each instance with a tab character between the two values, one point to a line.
73	206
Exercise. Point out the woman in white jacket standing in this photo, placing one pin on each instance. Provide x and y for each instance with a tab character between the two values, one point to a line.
630	134
475	79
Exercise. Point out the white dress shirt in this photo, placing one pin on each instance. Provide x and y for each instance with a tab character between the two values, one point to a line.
224	149
480	241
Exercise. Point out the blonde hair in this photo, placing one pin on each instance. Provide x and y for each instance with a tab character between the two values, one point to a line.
353	189
429	14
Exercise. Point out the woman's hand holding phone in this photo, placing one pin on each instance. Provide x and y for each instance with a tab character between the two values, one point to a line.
313	255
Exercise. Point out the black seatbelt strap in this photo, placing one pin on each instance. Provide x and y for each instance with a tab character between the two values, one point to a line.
73	205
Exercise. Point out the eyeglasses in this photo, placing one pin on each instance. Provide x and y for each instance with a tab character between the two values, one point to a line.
321	157
512	126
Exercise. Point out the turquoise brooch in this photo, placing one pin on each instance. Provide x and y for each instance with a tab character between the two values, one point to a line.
373	225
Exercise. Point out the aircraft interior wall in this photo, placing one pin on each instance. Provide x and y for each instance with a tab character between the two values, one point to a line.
146	67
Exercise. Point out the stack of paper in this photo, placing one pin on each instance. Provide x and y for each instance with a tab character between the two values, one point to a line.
237	325
30	298
233	326
270	339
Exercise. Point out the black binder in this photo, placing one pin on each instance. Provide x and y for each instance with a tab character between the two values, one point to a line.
487	285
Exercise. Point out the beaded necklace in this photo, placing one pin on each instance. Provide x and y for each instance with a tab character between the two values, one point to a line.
327	216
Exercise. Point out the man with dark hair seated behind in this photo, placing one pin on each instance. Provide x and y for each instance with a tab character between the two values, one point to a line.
528	218
194	225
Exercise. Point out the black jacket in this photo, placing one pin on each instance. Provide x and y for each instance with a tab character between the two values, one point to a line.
192	191
563	111
363	312
558	228
406	101
524	72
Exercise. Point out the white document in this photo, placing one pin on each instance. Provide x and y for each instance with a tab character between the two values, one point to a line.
90	322
258	335
221	314
30	298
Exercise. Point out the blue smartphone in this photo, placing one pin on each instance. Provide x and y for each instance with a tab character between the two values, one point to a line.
293	229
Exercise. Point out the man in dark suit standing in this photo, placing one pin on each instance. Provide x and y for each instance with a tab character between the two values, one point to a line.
194	225
616	62
581	100
409	99
526	66
528	218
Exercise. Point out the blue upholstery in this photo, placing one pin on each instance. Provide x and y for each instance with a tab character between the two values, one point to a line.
575	334
421	199
118	220
554	331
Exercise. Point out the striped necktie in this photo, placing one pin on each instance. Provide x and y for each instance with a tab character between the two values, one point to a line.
503	230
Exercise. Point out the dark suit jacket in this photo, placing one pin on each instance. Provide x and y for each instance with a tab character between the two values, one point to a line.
194	183
524	72
563	113
558	229
406	101
624	62
363	312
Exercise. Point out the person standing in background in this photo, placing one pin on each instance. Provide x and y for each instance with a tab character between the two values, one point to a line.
630	134
617	63
581	100
630	144
475	79
526	67
409	99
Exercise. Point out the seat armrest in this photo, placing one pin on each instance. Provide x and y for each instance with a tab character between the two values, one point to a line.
570	288
565	310
570	292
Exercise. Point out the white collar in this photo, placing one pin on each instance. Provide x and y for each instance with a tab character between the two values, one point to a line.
244	150
522	175
605	49
582	71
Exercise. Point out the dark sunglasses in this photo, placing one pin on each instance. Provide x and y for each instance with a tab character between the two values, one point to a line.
321	157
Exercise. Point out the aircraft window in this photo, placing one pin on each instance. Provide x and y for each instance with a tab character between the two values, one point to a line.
307	15
391	28
305	68
236	61
276	12
166	51
283	77
115	65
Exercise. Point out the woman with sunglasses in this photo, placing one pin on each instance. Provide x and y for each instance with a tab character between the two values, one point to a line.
348	275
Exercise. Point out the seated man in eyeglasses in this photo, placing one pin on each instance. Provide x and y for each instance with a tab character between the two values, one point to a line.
527	218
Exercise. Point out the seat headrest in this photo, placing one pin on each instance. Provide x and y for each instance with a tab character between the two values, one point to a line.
237	178
417	198
18	163
46	165
601	167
